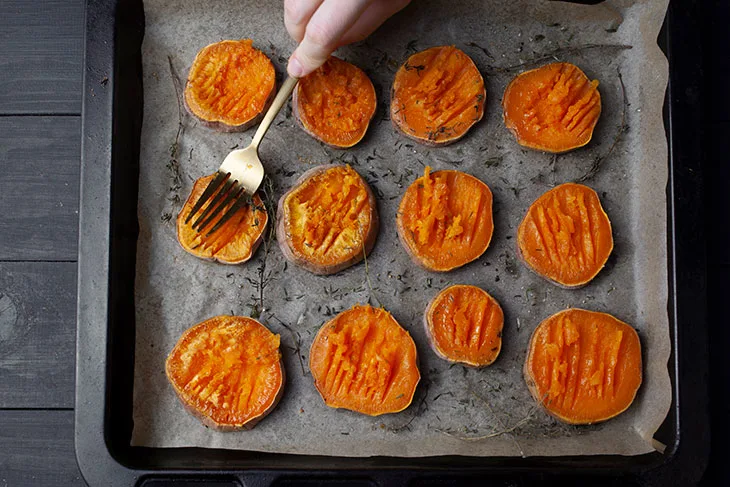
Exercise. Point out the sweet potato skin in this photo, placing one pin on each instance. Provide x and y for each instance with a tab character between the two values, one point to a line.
221	126
427	325
560	284
512	125
425	140
532	386
402	230
210	422
283	239
225	128
225	428
298	117
412	353
180	224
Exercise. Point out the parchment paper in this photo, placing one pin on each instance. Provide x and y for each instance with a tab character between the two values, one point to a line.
175	290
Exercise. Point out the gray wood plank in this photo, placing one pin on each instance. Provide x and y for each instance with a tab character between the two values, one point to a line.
37	448
39	187
41	56
37	335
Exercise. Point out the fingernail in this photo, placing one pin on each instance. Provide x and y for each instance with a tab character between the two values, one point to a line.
295	68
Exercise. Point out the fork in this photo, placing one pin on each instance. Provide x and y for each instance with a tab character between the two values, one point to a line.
241	173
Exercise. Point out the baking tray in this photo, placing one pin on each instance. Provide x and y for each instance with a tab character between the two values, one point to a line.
111	125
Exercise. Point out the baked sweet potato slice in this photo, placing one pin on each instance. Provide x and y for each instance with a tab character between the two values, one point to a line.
464	325
444	220
230	85
584	367
227	371
335	103
566	236
362	360
234	242
553	108
437	96
328	220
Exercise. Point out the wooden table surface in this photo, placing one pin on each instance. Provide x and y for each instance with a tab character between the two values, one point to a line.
41	58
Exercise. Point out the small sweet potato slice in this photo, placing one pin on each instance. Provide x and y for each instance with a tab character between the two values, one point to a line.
566	236
362	360
227	371
464	325
584	367
437	96
553	108
335	103
234	242
230	85
328	220
444	220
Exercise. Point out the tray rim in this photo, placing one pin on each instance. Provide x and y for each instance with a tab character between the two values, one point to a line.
114	30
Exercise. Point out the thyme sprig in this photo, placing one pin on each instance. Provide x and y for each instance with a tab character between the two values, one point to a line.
553	55
505	430
623	127
297	339
367	277
263	278
173	164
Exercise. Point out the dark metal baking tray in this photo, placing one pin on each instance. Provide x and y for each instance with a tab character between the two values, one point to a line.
112	118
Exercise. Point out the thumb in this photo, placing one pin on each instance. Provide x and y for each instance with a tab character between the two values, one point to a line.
329	23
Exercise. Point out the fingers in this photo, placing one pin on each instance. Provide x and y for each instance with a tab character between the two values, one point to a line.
297	14
324	30
372	18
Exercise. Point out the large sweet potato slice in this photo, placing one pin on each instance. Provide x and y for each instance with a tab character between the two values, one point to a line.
362	360
445	219
230	85
584	367
566	236
553	108
437	95
464	324
234	242
328	221
335	103
227	371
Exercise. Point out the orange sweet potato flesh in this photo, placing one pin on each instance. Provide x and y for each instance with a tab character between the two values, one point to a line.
362	360
566	236
445	219
328	221
335	103
230	85
227	371
234	242
584	367
437	95
464	324
553	108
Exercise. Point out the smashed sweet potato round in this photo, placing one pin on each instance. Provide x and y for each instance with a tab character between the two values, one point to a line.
566	236
437	96
328	221
227	371
584	367
444	220
230	85
335	103
362	360
553	108
464	325
235	241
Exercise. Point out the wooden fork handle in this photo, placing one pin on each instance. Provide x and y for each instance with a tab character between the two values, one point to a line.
281	97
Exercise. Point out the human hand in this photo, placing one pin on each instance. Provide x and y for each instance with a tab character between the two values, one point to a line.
321	26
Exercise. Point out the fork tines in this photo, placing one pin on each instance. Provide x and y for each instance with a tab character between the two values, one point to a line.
224	194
